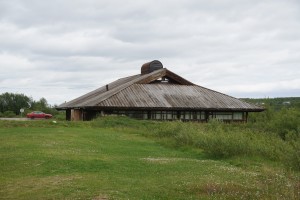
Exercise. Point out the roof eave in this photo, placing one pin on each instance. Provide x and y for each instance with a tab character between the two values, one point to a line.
163	108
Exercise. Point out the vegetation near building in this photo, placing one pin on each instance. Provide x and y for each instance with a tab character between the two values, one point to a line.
12	103
159	94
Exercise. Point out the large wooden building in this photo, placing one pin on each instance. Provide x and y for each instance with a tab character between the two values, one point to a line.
158	94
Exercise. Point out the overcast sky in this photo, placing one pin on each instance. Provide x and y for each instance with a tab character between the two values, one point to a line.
61	49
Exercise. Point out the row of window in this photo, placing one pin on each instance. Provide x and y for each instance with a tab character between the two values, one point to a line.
182	115
228	115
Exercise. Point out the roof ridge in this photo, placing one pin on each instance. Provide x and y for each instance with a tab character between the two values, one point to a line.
160	72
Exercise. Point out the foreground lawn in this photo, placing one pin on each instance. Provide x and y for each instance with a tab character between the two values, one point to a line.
61	161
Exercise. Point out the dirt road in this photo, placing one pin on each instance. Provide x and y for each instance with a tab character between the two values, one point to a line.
15	119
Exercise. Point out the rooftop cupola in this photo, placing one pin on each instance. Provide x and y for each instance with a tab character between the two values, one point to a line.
151	66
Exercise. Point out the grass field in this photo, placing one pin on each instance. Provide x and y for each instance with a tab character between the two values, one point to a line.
86	160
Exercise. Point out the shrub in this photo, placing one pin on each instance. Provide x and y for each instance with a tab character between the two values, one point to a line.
167	129
291	156
115	122
221	140
61	116
217	139
286	121
219	143
9	114
186	135
281	122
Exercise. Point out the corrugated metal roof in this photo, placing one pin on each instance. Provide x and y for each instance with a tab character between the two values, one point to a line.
138	91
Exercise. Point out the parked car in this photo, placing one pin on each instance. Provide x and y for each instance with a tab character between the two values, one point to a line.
38	114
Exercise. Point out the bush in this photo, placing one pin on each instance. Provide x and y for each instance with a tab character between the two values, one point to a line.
116	122
224	145
9	114
217	139
291	156
221	140
286	122
61	116
187	135
167	129
282	122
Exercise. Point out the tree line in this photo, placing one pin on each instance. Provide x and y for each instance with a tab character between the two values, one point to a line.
11	103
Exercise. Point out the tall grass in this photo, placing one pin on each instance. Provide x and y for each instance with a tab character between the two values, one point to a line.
224	141
109	158
216	139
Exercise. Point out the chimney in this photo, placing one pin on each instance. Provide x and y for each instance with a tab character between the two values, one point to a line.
151	66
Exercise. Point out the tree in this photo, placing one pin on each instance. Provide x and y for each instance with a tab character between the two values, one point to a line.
41	104
14	102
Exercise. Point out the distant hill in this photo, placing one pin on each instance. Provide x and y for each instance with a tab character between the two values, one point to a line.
276	103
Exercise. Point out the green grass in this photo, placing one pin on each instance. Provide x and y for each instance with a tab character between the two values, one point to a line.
121	159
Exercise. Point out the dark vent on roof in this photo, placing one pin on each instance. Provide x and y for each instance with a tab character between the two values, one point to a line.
151	66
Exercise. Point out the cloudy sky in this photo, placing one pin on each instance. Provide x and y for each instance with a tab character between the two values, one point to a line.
61	49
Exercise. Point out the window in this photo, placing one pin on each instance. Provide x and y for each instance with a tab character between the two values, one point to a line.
200	116
169	115
163	115
192	115
157	115
238	116
145	115
203	115
228	115
187	115
223	115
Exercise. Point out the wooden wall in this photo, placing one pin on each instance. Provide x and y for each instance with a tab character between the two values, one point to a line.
76	115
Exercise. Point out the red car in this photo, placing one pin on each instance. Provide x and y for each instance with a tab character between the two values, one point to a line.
38	114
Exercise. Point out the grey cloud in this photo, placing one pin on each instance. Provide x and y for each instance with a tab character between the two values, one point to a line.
79	45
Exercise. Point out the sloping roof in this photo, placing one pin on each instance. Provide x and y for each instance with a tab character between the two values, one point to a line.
140	92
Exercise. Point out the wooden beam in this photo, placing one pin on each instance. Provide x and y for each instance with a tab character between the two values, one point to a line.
177	78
